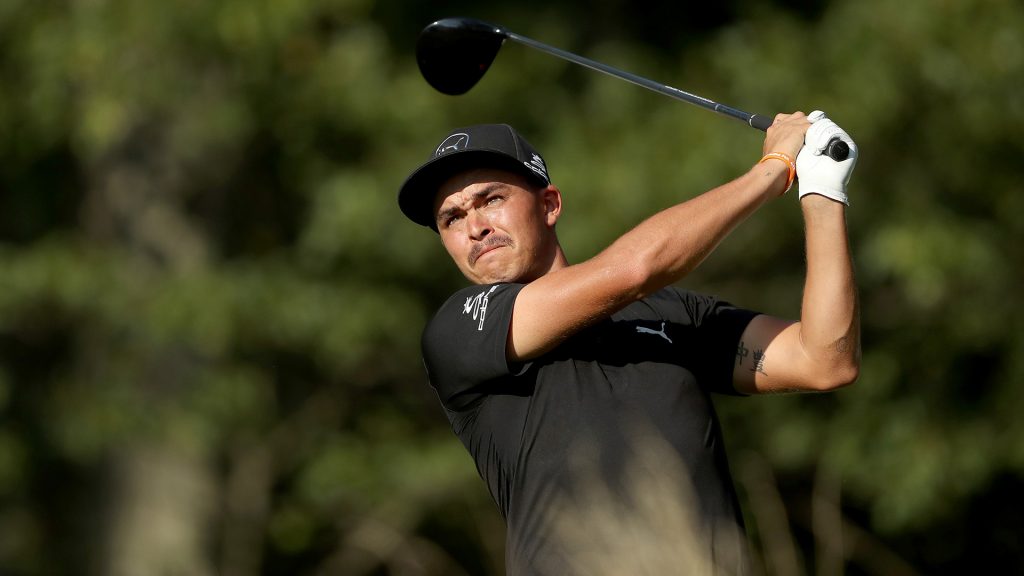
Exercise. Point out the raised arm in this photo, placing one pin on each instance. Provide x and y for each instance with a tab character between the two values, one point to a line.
656	253
822	350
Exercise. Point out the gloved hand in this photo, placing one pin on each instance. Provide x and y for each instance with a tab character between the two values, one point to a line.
816	171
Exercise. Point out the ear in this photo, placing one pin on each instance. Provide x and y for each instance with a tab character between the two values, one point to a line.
551	201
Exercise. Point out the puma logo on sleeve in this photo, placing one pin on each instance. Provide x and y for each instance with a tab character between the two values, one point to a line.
643	330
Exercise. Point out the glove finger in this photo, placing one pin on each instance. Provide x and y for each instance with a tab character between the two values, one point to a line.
822	131
835	131
815	116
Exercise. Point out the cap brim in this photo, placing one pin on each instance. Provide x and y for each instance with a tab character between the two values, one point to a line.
417	194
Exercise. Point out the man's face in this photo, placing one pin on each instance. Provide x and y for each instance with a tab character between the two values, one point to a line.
496	226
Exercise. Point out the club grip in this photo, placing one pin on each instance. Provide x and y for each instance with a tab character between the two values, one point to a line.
836	149
760	122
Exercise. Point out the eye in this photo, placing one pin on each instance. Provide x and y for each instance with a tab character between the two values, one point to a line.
494	199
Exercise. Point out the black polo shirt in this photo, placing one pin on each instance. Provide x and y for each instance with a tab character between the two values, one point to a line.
605	452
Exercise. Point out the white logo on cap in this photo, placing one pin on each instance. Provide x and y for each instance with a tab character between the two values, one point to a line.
537	165
457	141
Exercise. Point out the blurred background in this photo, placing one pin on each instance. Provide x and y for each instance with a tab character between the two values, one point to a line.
210	305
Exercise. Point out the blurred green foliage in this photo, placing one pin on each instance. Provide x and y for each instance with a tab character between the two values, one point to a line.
203	270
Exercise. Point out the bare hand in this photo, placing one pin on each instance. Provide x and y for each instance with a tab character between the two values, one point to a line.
786	134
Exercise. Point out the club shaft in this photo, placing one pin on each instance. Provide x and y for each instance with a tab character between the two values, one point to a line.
752	120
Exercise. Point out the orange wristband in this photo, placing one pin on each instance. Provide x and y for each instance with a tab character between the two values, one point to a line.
789	162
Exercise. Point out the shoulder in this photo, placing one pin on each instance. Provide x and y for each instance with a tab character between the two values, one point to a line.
675	294
470	313
464	343
682	304
699	310
670	294
476	294
472	302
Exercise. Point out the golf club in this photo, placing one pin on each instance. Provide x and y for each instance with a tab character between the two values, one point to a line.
454	53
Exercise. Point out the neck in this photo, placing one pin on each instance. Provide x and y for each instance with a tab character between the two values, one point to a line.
556	261
559	261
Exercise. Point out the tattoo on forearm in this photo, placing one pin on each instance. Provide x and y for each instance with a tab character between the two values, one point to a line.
741	353
758	366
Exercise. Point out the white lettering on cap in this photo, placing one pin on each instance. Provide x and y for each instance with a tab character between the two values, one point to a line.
537	165
457	141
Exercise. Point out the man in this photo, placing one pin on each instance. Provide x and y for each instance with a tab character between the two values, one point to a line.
579	389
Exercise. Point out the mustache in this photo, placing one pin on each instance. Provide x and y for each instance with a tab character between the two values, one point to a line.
487	243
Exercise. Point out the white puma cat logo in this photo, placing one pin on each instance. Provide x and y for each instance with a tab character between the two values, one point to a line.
642	330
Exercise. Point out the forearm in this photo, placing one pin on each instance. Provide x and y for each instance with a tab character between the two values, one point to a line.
829	317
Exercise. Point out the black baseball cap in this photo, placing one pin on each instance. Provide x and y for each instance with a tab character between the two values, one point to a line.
479	146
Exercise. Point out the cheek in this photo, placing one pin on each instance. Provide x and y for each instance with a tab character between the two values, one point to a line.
517	218
459	252
452	247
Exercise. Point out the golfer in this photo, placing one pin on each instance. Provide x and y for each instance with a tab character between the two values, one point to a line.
582	390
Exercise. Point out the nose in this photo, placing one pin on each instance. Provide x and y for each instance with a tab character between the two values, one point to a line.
479	227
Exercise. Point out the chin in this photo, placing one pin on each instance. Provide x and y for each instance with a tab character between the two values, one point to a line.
496	278
491	280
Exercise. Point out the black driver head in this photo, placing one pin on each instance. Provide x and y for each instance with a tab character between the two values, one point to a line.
454	53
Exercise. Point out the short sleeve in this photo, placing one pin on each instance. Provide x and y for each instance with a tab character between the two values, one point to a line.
720	326
464	344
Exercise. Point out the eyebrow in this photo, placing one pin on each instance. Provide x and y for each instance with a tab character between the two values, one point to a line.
443	215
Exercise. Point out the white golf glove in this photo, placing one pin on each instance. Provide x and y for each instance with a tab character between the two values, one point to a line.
817	173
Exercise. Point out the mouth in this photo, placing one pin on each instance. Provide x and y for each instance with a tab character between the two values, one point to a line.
486	251
486	247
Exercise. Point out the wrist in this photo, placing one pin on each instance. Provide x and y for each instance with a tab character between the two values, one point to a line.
818	203
827	193
822	213
787	161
